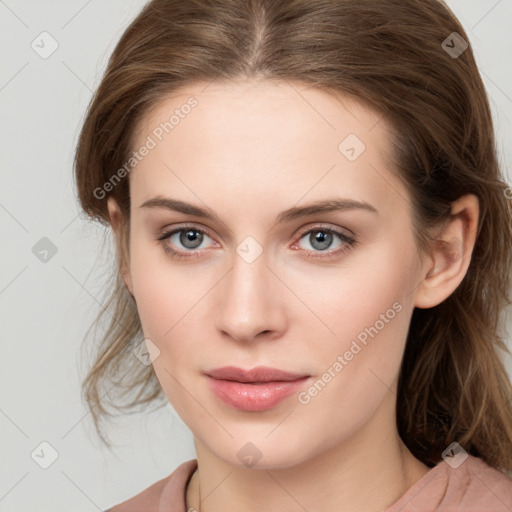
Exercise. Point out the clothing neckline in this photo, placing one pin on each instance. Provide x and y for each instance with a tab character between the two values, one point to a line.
192	466
418	486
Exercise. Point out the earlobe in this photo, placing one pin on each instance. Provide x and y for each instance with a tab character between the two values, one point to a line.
116	222
451	254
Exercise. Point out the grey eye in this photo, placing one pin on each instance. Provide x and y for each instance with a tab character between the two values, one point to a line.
319	239
189	238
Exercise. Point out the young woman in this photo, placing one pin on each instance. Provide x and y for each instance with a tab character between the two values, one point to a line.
314	248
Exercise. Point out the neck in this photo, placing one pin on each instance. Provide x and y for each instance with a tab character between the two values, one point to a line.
368	471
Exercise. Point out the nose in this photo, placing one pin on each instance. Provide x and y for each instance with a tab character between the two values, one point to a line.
251	302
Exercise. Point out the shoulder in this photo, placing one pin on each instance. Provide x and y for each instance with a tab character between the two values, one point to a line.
480	486
468	485
167	490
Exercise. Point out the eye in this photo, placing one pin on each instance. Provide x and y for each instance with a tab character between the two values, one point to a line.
185	242
189	238
186	239
321	238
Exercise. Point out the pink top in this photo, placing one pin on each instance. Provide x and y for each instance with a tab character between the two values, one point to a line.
474	486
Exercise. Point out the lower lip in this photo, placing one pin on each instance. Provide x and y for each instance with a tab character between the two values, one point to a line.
254	397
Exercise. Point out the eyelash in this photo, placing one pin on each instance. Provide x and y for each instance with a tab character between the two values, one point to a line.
349	243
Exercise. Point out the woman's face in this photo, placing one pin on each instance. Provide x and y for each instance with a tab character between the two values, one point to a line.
252	286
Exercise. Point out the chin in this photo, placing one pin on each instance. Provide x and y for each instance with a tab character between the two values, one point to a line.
261	454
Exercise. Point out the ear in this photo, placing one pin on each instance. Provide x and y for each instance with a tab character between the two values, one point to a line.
452	254
118	225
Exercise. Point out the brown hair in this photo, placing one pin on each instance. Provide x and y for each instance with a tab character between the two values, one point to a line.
390	55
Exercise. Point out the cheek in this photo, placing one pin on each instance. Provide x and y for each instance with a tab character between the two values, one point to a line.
371	287
167	302
170	300
159	291
361	361
367	307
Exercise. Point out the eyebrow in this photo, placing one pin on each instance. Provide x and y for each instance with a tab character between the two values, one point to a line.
328	205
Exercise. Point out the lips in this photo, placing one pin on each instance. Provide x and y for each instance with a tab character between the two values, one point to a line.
253	390
255	375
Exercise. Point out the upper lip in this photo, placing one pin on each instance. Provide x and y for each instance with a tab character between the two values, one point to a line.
258	374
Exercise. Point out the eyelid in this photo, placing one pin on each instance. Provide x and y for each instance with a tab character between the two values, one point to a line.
167	232
335	229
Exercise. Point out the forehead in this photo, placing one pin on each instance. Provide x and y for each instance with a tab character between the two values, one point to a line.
264	107
253	137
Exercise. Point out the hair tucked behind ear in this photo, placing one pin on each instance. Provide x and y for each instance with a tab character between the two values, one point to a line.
389	55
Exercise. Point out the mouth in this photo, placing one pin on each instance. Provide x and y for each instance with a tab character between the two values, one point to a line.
260	374
254	390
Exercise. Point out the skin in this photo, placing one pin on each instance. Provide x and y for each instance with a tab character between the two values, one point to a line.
248	151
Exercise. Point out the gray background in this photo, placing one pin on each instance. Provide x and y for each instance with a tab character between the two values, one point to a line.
46	307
